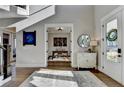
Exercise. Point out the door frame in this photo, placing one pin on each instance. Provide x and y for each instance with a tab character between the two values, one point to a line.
7	31
46	39
114	12
4	30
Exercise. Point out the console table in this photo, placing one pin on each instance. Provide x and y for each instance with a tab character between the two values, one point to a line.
86	60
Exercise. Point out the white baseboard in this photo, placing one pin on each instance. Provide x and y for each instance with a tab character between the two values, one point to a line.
100	69
1	78
5	81
30	65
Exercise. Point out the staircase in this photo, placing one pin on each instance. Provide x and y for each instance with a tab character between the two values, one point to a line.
34	18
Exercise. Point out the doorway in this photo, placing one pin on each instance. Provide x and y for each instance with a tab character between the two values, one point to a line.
59	45
6	54
7	63
112	46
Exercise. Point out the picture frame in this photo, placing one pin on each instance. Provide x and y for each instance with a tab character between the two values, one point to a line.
29	38
60	41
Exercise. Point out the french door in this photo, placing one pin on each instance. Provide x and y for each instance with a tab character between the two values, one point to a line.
112	46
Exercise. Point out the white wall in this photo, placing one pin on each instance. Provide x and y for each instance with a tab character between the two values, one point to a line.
82	17
51	44
35	8
99	12
8	21
123	47
5	7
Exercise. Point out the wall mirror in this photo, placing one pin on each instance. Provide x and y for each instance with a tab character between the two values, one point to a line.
84	40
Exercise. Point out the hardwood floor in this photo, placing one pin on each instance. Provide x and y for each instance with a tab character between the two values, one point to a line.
107	80
23	73
59	64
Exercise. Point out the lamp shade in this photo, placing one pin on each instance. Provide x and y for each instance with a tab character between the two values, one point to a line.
93	43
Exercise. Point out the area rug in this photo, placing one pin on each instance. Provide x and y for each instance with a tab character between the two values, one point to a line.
58	78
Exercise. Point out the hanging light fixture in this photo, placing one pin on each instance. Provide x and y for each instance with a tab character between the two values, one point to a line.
60	29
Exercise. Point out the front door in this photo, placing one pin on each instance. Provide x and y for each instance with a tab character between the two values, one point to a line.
112	51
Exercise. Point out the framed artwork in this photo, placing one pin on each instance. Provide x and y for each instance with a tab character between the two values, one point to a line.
29	38
60	41
56	42
64	41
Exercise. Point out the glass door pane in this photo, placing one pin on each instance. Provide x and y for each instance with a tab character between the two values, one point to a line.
112	41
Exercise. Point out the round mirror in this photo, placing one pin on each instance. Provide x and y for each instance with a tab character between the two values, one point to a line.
84	40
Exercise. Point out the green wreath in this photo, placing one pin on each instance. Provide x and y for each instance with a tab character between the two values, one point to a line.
112	35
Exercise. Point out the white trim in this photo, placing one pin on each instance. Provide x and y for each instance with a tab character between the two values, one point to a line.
1	78
113	12
24	12
5	7
59	25
122	47
29	65
5	81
